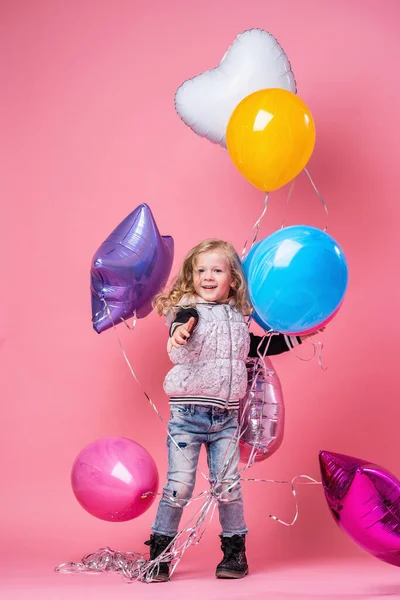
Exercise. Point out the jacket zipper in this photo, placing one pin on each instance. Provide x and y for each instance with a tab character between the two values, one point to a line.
230	361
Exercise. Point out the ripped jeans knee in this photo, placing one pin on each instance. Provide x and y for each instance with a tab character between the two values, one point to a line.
177	493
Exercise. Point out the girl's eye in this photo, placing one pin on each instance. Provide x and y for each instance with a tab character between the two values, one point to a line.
218	270
201	270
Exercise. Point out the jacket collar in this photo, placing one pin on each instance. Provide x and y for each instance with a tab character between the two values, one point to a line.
193	299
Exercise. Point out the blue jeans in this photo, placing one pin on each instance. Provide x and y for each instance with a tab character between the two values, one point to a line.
191	426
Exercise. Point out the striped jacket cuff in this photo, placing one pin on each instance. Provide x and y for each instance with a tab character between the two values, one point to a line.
292	340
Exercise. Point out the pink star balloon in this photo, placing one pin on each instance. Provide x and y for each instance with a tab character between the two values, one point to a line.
262	412
365	502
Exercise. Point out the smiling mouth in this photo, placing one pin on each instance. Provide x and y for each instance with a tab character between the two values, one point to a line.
209	287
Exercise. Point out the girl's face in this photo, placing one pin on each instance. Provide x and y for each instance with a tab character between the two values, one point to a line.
212	278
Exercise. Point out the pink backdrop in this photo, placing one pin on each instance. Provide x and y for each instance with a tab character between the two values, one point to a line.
89	132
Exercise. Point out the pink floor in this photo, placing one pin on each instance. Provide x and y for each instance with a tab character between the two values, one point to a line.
328	580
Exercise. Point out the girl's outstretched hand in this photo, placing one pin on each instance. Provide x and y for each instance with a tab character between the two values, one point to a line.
182	333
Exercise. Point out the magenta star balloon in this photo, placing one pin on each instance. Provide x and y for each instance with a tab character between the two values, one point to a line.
128	269
365	502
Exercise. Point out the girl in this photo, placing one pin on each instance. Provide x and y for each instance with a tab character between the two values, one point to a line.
209	343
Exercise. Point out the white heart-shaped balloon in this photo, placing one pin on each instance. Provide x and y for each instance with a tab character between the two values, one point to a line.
254	61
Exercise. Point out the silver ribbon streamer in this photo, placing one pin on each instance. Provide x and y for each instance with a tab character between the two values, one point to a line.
257	224
318	348
133	565
142	388
255	227
320	198
311	481
288	200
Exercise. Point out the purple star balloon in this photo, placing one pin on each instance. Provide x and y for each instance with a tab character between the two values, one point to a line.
365	502
128	269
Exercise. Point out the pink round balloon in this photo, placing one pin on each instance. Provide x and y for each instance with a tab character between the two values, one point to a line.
111	477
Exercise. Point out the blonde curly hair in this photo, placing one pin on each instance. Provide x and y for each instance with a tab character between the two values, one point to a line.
166	301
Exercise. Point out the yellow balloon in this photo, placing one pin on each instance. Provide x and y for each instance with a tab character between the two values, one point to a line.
270	137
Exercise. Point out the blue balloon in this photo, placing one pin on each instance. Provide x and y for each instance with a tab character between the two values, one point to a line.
245	265
260	322
297	278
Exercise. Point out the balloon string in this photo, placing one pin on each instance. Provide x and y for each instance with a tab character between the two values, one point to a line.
319	196
318	349
124	321
130	327
133	565
287	200
143	390
219	477
255	227
316	191
311	481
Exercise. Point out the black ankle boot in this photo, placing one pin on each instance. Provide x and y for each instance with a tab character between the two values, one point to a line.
159	543
234	564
